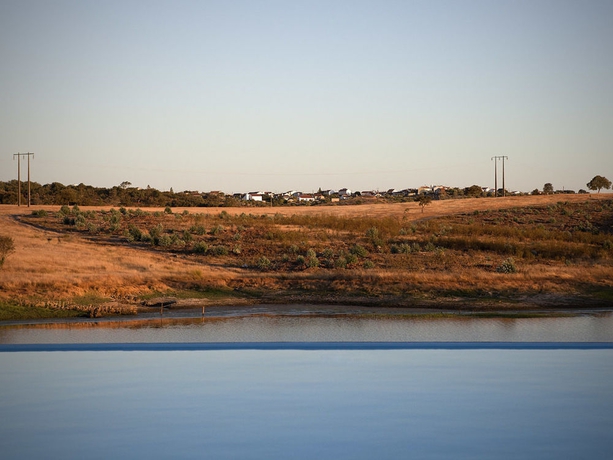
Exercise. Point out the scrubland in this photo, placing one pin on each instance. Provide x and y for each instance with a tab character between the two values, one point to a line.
490	253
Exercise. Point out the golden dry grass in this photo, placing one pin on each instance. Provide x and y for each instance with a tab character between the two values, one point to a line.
48	265
55	266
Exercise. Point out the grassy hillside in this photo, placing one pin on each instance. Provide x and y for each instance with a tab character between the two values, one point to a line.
522	252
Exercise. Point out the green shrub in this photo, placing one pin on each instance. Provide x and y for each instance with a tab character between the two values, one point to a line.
341	262
200	247
219	250
135	233
197	229
369	264
167	210
351	258
312	262
187	236
80	221
217	229
507	266
39	213
372	232
402	248
164	241
115	218
175	239
65	210
263	263
359	251
156	231
300	260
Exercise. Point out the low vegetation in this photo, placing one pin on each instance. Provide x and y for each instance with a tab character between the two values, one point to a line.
15	311
560	234
561	248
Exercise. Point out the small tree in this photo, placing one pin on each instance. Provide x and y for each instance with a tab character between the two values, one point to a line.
7	247
548	188
424	200
473	190
599	182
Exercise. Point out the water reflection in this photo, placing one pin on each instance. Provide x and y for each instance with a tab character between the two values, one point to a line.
263	328
322	404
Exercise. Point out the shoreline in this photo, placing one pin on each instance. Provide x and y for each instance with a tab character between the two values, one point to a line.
304	310
303	346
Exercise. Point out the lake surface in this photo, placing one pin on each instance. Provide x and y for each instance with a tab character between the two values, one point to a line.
305	404
304	387
585	328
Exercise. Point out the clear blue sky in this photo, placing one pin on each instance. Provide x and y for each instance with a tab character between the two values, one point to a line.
278	95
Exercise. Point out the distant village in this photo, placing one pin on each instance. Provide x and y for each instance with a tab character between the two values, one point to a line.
127	195
434	191
345	194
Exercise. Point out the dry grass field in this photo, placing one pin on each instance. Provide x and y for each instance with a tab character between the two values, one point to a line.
532	251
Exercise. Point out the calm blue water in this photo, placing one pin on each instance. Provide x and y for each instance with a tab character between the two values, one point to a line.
306	404
310	397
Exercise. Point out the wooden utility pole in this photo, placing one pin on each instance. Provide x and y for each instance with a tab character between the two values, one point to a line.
18	178
504	190
495	176
19	155
496	158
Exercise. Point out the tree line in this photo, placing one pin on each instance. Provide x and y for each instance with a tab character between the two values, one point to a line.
126	195
121	195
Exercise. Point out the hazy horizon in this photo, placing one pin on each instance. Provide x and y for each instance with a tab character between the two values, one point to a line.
270	95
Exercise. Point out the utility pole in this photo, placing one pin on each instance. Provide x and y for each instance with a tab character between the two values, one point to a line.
496	158
19	155
495	176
